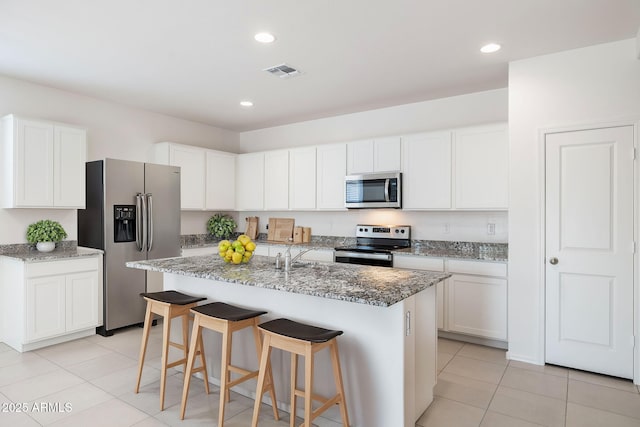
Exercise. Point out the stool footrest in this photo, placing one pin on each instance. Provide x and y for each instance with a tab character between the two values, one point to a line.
240	371
178	346
242	379
176	363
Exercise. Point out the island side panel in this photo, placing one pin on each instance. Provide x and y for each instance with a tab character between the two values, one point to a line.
426	349
372	349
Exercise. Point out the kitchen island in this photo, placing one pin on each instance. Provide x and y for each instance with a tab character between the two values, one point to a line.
387	352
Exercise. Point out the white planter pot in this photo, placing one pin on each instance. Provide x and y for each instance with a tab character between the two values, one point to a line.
46	246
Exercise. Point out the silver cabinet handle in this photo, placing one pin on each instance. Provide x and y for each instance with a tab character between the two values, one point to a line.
553	261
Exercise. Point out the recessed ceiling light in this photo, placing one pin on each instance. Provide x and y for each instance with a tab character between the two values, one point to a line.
265	37
490	48
246	103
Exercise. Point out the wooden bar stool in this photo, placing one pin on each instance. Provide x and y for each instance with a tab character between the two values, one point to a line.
226	319
304	340
168	304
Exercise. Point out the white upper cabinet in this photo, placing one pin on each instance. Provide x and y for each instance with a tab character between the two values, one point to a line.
220	184
377	155
250	184
207	177
191	161
331	170
426	166
276	180
481	172
43	164
302	178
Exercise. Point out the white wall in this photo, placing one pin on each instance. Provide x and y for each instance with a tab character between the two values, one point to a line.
463	226
114	130
444	113
583	86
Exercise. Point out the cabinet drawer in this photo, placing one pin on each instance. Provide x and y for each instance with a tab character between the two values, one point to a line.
417	262
51	268
483	268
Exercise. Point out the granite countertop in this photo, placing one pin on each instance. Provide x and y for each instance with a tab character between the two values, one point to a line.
55	255
479	251
377	286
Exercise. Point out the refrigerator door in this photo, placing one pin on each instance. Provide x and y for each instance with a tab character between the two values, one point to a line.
123	305
162	188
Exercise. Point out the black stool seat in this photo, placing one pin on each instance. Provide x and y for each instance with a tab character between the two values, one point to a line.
299	331
172	297
229	312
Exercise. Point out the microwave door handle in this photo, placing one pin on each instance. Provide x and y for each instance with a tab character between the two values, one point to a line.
139	214
386	189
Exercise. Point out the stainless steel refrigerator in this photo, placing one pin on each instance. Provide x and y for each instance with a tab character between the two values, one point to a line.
132	213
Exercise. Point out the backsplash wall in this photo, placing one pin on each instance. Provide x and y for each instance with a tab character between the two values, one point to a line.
461	225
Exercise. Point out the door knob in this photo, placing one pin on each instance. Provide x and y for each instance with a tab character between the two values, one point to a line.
553	261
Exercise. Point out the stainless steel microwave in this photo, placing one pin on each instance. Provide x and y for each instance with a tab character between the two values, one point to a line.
378	190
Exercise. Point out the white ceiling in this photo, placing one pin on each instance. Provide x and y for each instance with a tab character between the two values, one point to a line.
196	59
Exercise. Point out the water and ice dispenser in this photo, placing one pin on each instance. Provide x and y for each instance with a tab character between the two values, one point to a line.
124	223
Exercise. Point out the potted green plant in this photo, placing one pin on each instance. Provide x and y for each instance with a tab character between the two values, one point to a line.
221	226
45	234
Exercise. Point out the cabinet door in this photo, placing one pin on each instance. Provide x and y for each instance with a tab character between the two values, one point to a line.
34	164
221	180
302	178
276	180
360	157
386	154
250	181
45	307
69	157
332	168
481	167
81	298
192	174
477	306
426	179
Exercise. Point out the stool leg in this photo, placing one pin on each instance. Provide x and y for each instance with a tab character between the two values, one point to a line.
185	338
143	345
262	373
269	377
224	372
196	337
308	382
294	385
166	330
337	376
202	361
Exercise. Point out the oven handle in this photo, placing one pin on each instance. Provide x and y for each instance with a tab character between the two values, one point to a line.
364	255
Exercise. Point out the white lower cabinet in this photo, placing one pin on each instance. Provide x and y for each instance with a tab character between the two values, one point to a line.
476	299
50	302
473	301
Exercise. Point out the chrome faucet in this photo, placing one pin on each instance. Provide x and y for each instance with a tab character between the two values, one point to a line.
288	265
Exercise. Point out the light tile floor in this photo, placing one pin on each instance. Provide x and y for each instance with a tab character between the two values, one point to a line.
477	386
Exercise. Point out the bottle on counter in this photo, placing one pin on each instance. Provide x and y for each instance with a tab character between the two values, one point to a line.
279	261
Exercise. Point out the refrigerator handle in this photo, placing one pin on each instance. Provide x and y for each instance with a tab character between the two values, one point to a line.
139	216
149	221
145	221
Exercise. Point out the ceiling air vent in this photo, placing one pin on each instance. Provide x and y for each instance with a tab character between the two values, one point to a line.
283	71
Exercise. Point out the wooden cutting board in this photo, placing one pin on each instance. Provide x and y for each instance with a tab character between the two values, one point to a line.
252	227
280	229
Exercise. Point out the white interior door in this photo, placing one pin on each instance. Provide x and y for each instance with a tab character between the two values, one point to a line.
589	250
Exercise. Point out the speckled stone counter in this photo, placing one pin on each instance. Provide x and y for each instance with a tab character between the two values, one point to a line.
377	286
481	251
28	253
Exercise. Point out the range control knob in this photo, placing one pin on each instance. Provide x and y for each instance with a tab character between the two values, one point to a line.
402	231
360	229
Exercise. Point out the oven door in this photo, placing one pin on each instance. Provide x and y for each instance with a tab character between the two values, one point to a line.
364	258
373	191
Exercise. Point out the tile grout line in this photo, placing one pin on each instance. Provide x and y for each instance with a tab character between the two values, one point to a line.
494	393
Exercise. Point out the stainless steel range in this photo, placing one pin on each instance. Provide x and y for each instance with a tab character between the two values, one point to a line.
374	245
